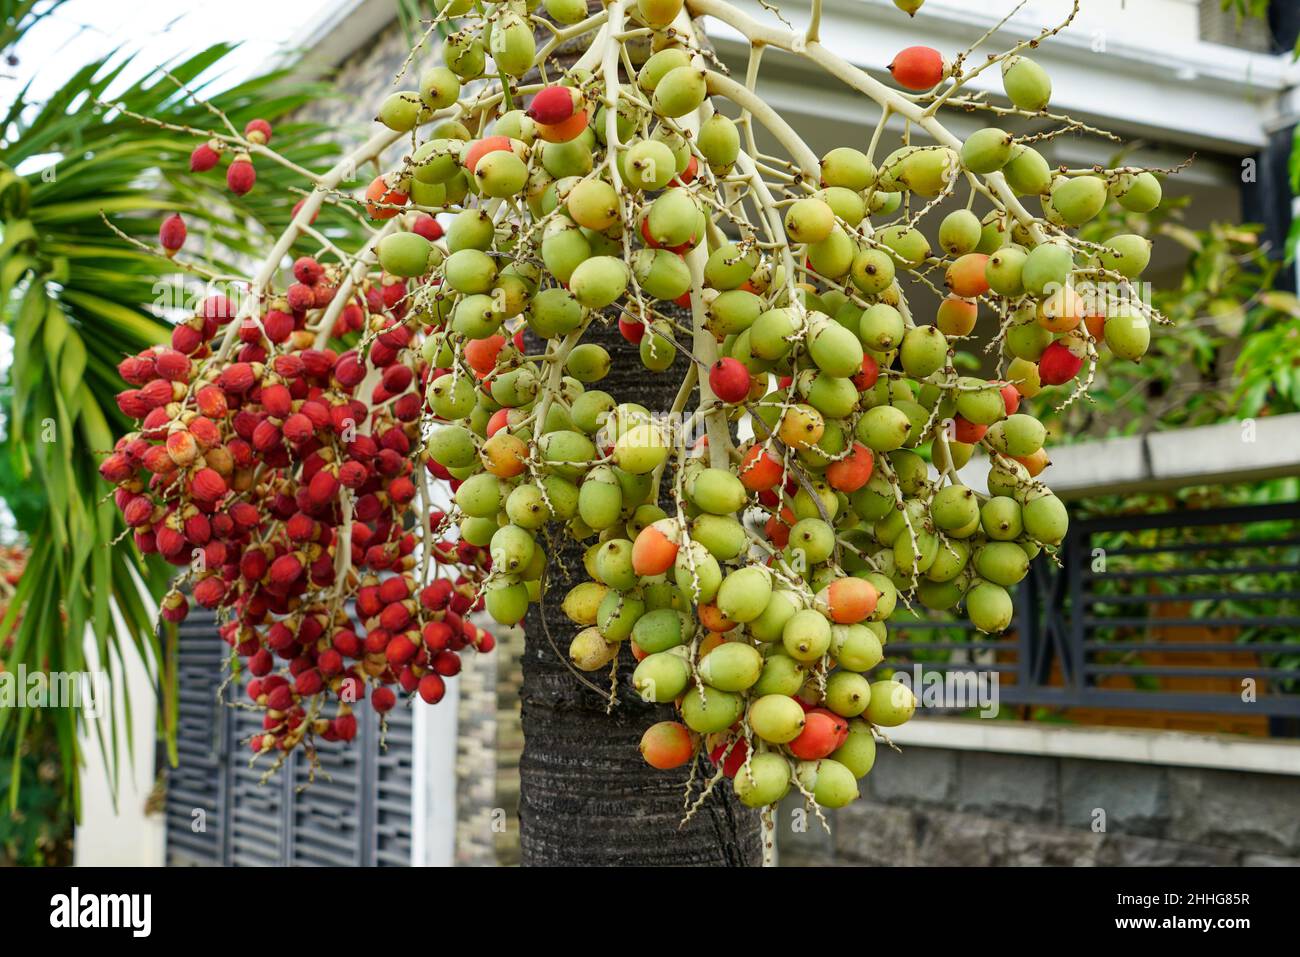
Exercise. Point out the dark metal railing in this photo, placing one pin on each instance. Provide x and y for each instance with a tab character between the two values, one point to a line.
1192	611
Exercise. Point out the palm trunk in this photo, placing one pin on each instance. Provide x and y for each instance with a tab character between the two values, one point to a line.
586	796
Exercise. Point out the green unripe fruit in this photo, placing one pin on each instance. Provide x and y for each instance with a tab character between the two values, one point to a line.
872	271
727	268
465	55
659	630
813	538
731	666
660	65
661	274
701	584
717	491
744	595
1007	477
881	328
680	91
924	351
480	496
719	142
987	150
512	45
989	608
883	428
855	647
599	281
835	349
723	536
453	447
526	507
673	218
960	232
1000	518
1003	563
566	453
950	561
733	311
954	507
478	531
1129	256
1138	192
1027	84
892	703
1079	199
437	161
1046	268
770	333
470	229
847	694
1128	334
765	781
770	625
1027	342
661	677
451	396
600	499
618	613
844	203
650	165
832	784
980	402
777	719
807	635
500	174
833	256
656	349
781	675
1046	519
1018	435
849	168
400	111
566	12
593	204
1027	172
511	549
589	651
858	752
573	158
1005	271
835	399
554	312
1024	375
475	318
588	362
517	125
931	170
809	220
908	245
507	603
470	271
707	710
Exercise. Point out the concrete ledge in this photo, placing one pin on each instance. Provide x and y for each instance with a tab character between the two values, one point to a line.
1178	748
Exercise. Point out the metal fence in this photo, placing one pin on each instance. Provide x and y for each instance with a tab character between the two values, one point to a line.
1192	611
356	811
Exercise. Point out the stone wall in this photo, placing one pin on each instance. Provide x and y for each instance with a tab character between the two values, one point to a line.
938	806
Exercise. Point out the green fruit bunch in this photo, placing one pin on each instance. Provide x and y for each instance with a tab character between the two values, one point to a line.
753	580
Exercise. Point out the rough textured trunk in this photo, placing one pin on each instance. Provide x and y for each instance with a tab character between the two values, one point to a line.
586	795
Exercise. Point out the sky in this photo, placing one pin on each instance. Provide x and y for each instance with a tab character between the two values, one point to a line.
161	30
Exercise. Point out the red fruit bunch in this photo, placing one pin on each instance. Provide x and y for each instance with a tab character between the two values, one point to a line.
281	478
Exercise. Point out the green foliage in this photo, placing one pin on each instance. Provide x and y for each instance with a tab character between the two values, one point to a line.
76	299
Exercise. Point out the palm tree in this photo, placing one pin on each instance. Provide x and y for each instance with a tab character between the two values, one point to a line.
76	298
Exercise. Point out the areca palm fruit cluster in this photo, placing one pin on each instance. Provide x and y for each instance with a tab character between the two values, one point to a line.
753	580
282	476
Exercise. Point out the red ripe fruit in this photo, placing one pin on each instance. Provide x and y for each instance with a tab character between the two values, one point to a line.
300	297
172	365
867	377
258	131
481	354
1058	365
209	592
236	378
277	401
480	148
171	235
818	738
307	270
759	470
345	727
207	486
432	688
446	663
381	200
967	432
116	468
308	683
918	68
383	699
631	330
426	226
554	104
735	757
729	380
240	175
1011	398
851	472
203	158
